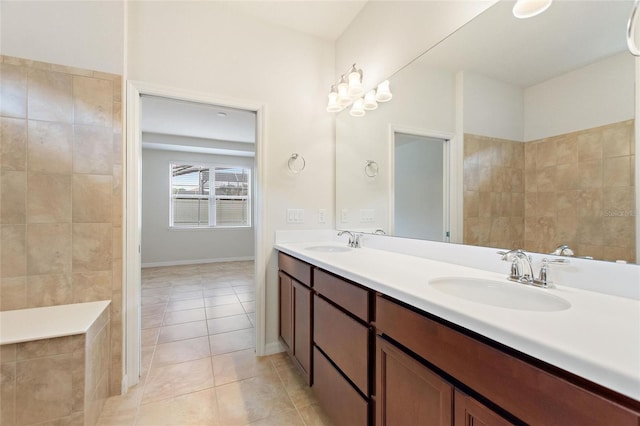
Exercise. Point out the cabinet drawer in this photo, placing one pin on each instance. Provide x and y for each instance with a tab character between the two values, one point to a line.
342	403
349	296
344	340
296	268
529	390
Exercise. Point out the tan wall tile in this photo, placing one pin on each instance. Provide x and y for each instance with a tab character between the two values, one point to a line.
93	101
530	204
49	147
590	173
48	198
471	202
590	146
546	154
618	201
8	394
566	230
13	187
92	247
92	150
118	194
44	389
7	353
471	176
49	290
546	180
530	180
590	231
485	178
13	89
48	249
13	256
117	243
91	286
48	347
619	231
117	117
517	205
567	177
596	251
567	149
590	203
13	144
618	140
517	180
470	149
546	204
619	253
92	196
14	293
567	203
49	97
617	171
117	148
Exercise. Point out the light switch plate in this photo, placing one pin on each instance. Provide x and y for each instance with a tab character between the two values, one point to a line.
322	215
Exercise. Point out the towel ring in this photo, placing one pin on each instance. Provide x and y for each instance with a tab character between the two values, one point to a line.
371	168
296	163
631	29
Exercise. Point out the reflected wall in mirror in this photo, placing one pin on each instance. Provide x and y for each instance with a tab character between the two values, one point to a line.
540	116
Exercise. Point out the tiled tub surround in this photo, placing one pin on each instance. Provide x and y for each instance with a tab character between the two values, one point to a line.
575	189
61	190
597	338
62	379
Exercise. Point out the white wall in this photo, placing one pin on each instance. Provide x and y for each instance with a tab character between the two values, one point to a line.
592	96
213	49
492	108
84	34
164	246
387	35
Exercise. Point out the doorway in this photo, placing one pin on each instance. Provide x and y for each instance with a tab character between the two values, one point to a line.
226	207
420	186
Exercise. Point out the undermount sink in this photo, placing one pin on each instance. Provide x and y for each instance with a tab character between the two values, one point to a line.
328	249
504	294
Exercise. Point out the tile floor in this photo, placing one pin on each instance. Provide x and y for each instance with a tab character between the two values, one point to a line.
198	360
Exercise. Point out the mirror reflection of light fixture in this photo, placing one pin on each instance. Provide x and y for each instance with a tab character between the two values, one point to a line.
357	109
349	90
370	101
383	93
529	8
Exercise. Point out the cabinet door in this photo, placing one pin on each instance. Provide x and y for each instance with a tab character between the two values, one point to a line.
470	412
302	327
286	320
407	392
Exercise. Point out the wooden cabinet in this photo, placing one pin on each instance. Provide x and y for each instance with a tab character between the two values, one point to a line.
470	412
407	392
296	311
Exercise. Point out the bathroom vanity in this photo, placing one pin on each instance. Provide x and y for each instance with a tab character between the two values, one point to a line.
380	345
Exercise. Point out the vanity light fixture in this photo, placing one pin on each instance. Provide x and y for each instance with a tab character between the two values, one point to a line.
349	90
529	8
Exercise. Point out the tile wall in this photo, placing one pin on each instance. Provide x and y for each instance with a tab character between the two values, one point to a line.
61	190
575	189
64	380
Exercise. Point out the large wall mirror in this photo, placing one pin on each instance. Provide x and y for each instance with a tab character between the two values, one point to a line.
530	125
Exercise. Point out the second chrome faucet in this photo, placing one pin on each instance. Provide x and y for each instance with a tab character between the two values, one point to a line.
522	269
354	239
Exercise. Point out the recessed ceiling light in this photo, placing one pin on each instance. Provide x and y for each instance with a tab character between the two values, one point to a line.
222	114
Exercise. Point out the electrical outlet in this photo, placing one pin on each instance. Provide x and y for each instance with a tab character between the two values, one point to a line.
322	215
367	215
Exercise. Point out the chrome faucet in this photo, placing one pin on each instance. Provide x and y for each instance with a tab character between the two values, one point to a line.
354	239
562	250
522	270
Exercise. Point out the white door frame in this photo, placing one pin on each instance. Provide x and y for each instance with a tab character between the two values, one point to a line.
452	167
133	187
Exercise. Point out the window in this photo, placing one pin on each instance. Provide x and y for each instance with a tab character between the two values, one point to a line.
194	205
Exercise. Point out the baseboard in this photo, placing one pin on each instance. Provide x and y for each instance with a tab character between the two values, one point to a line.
195	261
273	348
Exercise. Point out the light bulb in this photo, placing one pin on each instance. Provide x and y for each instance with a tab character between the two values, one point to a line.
343	92
355	82
383	94
370	101
529	8
333	106
357	109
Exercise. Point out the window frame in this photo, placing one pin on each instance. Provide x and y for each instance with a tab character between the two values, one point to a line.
211	198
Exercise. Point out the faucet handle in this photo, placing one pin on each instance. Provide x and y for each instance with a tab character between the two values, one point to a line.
508	256
544	280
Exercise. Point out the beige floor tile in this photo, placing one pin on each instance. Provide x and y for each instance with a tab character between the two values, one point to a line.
252	318
235	366
226	324
153	300
244	288
224	310
288	418
182	288
232	341
185	295
152	321
182	305
220	300
188	330
197	408
314	416
156	309
249	306
181	351
247	297
251	400
124	405
296	387
179	317
158	291
150	336
127	418
222	291
178	379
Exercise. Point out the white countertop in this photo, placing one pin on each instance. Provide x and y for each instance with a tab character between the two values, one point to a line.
24	325
597	338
